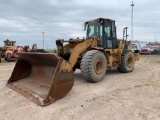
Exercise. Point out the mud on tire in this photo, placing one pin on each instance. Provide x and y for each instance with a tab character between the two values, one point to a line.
127	62
93	66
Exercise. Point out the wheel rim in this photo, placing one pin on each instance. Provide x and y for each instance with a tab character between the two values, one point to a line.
130	61
98	67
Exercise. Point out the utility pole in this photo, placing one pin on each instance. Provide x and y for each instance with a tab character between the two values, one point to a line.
43	39
155	39
132	5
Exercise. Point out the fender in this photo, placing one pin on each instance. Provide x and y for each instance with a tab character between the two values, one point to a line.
80	48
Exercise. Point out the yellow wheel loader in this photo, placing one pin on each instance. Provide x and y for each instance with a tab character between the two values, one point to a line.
45	77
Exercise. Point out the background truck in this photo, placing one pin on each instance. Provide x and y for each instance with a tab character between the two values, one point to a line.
147	50
9	50
7	45
155	46
11	54
137	45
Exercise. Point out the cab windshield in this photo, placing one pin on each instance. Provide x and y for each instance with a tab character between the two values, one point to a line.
94	29
9	43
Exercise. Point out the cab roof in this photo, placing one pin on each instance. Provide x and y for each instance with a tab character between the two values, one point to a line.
101	19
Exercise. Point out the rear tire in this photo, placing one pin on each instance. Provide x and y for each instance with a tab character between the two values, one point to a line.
93	66
127	62
5	56
74	69
8	57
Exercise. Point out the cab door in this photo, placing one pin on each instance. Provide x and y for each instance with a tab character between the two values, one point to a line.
109	36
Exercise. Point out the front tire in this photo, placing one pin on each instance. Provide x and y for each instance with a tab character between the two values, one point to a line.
127	62
5	56
8	57
93	66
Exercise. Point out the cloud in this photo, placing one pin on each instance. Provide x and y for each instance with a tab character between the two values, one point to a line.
24	21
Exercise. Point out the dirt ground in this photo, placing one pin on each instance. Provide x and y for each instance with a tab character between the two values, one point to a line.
132	96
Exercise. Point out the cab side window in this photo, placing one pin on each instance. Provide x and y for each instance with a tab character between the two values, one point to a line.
107	31
108	35
114	30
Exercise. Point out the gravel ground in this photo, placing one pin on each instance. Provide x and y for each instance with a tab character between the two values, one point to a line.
132	96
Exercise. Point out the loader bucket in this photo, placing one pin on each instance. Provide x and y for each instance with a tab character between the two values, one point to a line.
41	77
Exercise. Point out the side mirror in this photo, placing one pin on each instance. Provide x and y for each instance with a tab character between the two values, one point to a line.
84	26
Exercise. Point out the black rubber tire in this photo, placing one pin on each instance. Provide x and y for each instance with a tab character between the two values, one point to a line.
123	67
74	69
88	66
8	57
5	56
0	58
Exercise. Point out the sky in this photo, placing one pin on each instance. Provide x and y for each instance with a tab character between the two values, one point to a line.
25	20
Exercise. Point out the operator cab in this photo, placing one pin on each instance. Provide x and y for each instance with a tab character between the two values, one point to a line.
105	29
9	43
